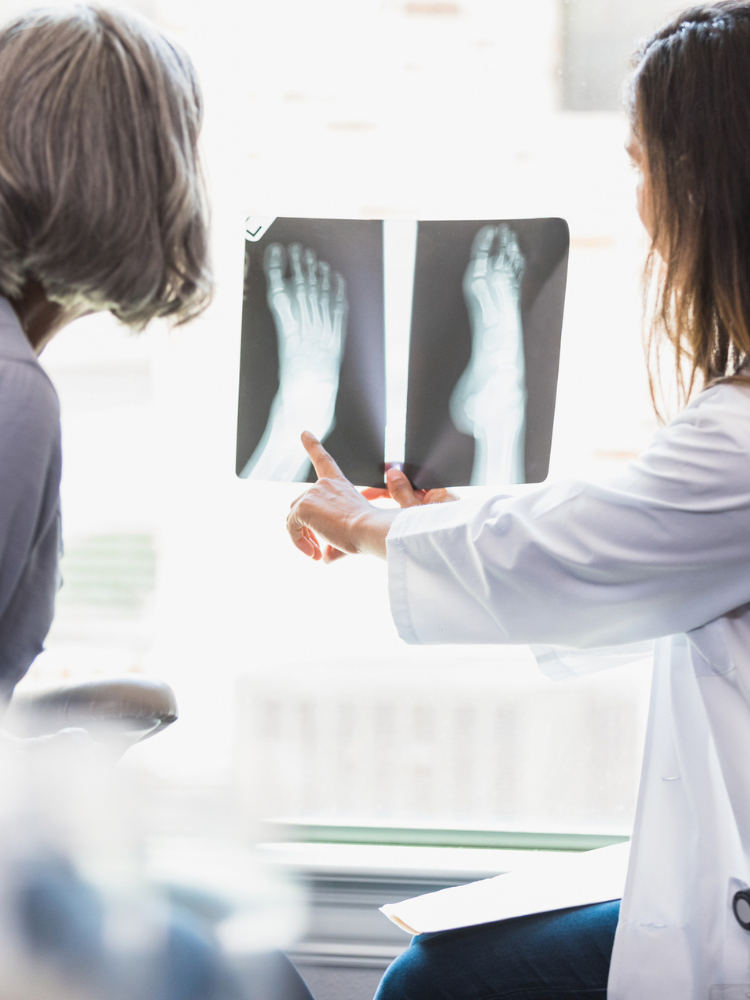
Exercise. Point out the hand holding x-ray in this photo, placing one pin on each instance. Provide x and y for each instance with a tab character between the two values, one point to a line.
309	309
401	490
332	518
489	400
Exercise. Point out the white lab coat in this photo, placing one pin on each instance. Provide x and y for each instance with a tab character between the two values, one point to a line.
662	553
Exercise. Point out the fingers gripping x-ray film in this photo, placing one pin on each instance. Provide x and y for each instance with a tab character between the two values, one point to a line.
432	345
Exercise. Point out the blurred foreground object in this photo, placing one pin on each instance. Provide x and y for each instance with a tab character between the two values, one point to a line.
115	712
92	907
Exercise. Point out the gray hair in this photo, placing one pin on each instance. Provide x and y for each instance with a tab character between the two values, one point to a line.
101	195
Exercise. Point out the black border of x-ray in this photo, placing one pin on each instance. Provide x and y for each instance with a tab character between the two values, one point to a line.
353	247
437	453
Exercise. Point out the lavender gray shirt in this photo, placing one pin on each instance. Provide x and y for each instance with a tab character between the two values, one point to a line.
30	463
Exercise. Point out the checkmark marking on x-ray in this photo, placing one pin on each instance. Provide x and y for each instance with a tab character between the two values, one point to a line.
257	226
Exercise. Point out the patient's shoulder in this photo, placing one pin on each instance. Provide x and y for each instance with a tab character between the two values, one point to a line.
28	401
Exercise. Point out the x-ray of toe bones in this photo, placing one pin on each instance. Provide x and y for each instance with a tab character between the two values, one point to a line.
489	400
312	348
309	310
488	397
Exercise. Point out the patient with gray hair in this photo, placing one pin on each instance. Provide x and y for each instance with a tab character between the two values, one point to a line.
102	207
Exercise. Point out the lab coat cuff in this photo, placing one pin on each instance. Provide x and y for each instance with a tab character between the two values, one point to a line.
560	663
409	578
398	574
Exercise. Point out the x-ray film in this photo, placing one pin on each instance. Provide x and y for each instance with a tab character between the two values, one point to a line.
485	347
312	353
430	345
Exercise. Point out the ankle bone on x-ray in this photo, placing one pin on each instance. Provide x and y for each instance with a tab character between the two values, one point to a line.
399	257
489	400
309	309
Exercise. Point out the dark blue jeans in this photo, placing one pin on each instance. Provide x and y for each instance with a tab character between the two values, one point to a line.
563	955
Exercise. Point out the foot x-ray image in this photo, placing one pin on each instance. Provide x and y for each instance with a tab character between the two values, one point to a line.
312	348
486	319
489	400
430	345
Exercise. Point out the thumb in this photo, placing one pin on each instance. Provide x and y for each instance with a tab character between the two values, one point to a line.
331	554
401	489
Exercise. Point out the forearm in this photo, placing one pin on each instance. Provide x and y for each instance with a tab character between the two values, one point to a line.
370	530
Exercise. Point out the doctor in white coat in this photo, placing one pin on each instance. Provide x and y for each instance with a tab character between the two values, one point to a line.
661	554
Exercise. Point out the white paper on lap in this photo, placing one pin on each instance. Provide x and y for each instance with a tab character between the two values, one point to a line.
553	882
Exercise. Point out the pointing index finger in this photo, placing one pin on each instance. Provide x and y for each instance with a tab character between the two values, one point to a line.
324	465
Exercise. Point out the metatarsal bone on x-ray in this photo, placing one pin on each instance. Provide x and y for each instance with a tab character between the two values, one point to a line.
309	309
489	400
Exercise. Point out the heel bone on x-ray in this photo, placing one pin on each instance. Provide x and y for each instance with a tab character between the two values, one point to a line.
430	345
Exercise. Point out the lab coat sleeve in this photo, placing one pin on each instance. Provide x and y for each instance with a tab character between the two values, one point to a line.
662	550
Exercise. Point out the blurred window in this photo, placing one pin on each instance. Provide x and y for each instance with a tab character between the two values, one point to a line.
599	39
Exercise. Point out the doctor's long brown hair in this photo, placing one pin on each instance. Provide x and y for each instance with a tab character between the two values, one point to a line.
690	110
